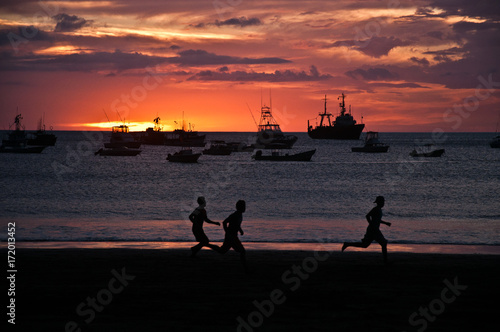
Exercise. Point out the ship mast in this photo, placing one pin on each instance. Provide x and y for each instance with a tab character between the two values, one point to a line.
342	104
323	116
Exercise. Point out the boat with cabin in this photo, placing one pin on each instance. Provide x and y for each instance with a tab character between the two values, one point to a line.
185	137
426	150
344	127
372	144
41	137
218	148
121	137
269	134
184	156
17	140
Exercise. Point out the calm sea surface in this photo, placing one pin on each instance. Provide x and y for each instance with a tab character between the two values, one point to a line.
68	194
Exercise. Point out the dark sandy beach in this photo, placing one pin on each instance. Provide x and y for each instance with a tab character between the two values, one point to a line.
165	290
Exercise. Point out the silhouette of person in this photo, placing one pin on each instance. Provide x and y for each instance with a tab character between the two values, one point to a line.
232	225
373	232
197	217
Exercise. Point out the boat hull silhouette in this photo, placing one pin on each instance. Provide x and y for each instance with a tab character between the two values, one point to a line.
337	132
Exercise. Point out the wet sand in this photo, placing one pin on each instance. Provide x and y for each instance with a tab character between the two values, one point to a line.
153	290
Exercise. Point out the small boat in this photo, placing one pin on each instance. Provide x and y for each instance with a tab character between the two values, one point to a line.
218	148
17	141
269	134
372	144
495	143
184	156
152	135
344	127
185	137
115	152
426	150
41	137
120	137
277	156
241	147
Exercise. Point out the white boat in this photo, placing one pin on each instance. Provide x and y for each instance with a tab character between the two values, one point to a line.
427	150
372	144
269	134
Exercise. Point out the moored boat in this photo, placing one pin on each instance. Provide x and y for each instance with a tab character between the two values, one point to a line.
17	141
152	136
121	137
269	134
426	150
372	144
218	148
184	156
278	156
41	137
241	147
495	143
344	127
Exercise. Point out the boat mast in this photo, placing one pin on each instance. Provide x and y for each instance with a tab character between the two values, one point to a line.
342	104
325	114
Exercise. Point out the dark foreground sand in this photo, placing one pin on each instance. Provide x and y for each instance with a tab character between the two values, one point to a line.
165	290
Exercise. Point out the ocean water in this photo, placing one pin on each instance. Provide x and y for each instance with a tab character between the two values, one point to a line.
68	194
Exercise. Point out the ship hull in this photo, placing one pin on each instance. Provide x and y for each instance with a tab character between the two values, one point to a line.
335	132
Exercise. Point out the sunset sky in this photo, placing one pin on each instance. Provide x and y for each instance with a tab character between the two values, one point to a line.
403	65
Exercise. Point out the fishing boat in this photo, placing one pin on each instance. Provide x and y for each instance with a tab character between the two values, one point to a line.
372	144
240	147
269	134
495	143
41	137
152	136
121	137
427	150
278	156
184	156
185	137
17	141
344	127
118	152
218	148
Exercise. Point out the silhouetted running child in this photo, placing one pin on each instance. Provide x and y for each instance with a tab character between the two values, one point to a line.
232	225
373	232
197	217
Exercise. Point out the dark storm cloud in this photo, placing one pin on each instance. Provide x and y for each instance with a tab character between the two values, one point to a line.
374	47
120	61
201	57
68	23
85	62
372	74
422	61
21	34
478	8
277	76
241	22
